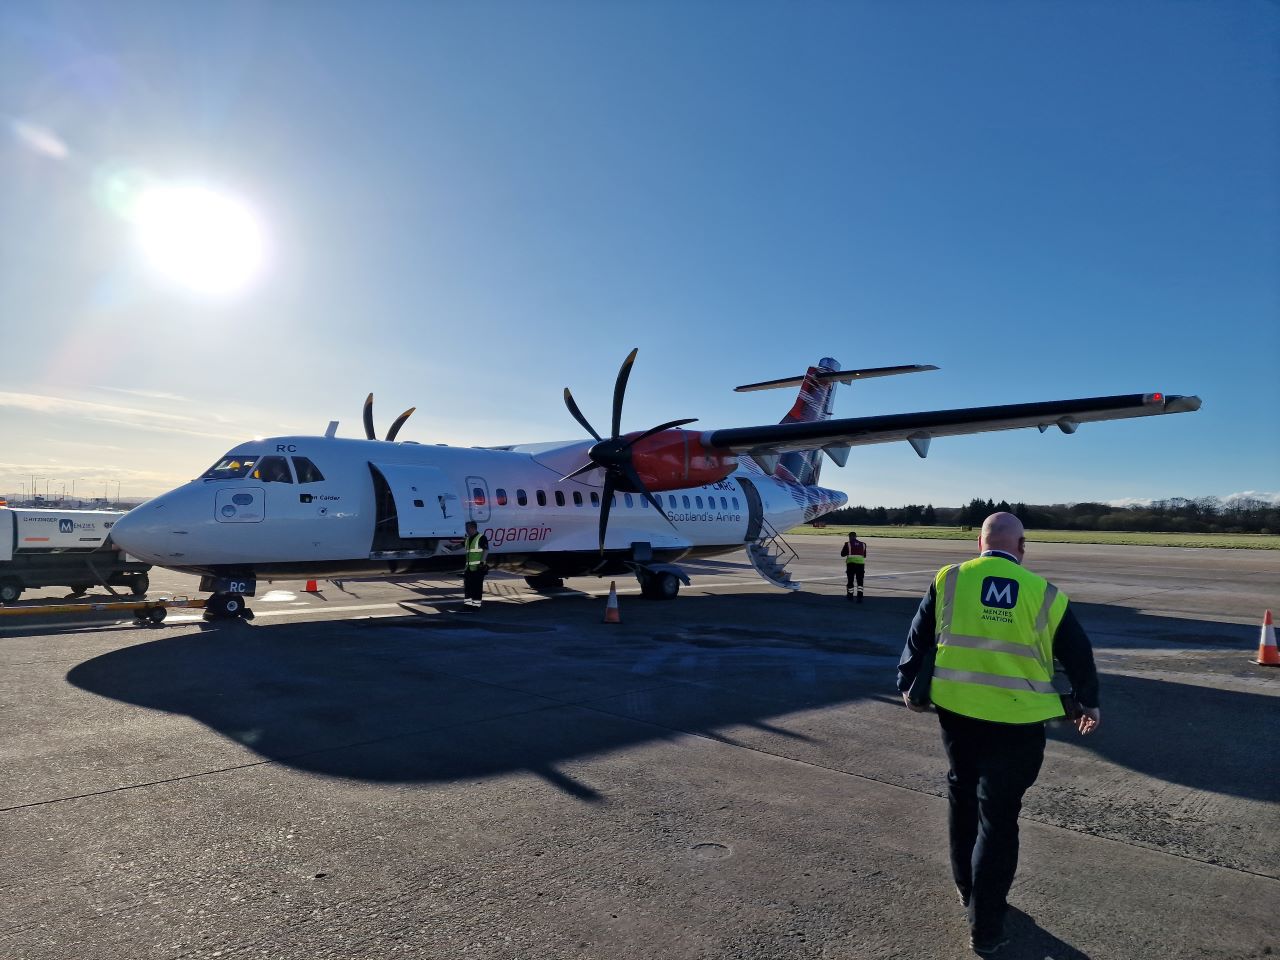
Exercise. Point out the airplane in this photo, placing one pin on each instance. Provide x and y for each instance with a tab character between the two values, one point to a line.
304	507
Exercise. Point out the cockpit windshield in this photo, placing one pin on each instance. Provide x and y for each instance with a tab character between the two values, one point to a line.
231	467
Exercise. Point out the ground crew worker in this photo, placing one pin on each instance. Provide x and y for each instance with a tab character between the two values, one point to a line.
476	566
993	629
855	565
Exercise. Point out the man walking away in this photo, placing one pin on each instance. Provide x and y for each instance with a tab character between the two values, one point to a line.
855	565
995	628
477	547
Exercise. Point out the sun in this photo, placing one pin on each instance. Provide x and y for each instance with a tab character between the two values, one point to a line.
197	238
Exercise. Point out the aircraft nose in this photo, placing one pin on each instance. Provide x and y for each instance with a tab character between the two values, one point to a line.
144	532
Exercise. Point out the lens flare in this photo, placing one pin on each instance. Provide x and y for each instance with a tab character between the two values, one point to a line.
200	239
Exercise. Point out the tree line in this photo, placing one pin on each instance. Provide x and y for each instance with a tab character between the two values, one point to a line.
1175	515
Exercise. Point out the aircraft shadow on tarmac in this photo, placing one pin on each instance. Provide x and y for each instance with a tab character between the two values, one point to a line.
446	698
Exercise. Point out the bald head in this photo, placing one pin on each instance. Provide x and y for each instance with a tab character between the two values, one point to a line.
1002	531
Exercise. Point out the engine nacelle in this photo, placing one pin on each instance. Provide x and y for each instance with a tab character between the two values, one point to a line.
674	459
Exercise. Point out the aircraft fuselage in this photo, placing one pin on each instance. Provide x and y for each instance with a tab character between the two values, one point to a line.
295	507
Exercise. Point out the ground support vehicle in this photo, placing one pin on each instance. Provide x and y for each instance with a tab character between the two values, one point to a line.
64	548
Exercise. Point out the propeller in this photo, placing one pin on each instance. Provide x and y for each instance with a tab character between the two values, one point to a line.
370	433
614	455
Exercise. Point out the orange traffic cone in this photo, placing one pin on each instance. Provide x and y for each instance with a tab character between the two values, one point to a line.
311	587
611	608
1268	656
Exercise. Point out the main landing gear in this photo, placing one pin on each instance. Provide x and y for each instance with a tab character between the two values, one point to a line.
658	585
227	606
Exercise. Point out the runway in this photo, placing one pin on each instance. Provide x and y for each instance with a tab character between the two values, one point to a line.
366	773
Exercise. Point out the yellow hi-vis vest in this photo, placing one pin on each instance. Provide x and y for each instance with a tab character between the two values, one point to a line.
474	553
995	622
859	559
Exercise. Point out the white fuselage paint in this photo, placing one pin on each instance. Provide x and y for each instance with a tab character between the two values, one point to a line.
327	527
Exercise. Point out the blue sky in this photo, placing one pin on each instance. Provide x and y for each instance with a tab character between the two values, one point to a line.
470	206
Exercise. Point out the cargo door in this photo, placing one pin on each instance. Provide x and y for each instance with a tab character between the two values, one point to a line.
426	501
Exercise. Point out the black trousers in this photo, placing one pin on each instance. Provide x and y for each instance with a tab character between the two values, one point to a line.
992	766
854	572
473	584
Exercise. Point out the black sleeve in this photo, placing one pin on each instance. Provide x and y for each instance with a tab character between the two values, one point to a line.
484	542
920	640
1071	647
844	551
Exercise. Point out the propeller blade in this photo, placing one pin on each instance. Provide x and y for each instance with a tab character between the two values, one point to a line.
399	422
581	470
658	429
635	481
606	501
368	418
620	388
577	414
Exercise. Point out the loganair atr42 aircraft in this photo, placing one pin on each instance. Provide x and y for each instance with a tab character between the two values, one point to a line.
323	507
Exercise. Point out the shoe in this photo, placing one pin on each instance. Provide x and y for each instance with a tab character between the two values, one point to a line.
986	946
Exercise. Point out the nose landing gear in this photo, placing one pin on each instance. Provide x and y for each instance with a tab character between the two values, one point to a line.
227	606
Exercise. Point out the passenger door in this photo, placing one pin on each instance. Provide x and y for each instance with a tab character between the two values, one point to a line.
426	500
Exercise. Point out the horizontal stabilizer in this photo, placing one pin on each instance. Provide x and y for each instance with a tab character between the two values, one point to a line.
838	376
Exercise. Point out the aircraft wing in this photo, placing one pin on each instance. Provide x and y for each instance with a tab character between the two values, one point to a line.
836	436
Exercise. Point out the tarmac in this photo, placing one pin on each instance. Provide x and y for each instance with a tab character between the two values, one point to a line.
366	773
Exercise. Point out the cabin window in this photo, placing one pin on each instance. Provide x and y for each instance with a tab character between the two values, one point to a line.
500	496
595	499
724	504
559	498
306	470
522	498
542	497
672	498
698	501
626	498
644	502
273	470
686	502
477	496
231	467
735	503
577	498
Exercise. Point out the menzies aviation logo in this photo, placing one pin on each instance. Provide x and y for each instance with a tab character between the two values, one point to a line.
999	592
66	526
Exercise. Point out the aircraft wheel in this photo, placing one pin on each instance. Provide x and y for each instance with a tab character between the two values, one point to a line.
157	614
659	586
10	589
224	606
666	586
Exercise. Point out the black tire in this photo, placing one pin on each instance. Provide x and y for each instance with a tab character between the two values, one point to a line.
666	586
659	586
139	584
224	606
10	589
79	589
157	614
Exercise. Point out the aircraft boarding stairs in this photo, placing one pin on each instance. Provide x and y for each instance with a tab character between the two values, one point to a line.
770	555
